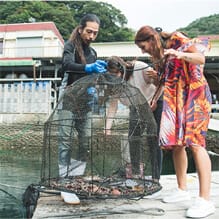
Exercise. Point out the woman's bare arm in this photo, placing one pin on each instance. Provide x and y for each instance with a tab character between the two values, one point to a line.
191	55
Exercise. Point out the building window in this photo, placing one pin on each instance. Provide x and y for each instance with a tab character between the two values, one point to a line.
29	46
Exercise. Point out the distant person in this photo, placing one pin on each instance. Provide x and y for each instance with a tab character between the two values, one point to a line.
143	77
186	109
79	59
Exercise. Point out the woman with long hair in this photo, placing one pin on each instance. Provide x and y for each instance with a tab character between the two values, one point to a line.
179	62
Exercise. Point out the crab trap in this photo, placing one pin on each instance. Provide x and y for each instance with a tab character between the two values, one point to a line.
101	141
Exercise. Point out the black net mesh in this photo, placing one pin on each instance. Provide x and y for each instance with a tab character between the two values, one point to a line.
80	156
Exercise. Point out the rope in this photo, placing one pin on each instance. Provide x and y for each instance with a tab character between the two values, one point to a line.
11	186
149	65
16	136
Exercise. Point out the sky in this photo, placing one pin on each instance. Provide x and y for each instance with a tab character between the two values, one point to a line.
167	14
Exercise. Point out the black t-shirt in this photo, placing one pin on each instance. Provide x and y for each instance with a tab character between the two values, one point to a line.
71	62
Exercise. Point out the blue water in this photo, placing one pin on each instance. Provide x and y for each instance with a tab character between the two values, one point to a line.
20	168
16	173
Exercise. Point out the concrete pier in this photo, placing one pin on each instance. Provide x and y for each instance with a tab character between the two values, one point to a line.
52	206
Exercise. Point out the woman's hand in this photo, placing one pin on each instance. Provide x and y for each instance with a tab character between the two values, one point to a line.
173	53
151	76
151	73
153	105
190	55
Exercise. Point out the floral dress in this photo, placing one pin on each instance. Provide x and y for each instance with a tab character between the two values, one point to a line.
187	98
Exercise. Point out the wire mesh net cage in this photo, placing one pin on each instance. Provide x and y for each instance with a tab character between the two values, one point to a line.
85	155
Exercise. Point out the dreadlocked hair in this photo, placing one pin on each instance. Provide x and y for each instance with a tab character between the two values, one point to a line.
76	40
75	37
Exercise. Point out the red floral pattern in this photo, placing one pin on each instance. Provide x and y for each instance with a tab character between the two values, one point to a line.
187	99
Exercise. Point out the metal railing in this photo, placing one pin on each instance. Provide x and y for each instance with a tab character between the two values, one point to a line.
26	97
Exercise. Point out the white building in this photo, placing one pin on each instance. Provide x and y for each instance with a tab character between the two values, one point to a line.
30	40
28	69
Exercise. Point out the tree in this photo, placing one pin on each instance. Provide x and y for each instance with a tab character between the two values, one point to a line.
203	26
66	15
113	22
37	11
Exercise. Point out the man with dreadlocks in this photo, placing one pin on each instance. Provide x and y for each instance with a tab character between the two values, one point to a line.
79	59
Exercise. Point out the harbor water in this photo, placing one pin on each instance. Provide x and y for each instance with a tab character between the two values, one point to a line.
16	173
19	169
